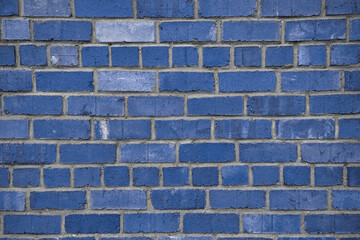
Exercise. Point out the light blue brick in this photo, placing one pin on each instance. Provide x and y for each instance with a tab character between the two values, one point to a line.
344	54
16	29
290	8
118	199
147	153
182	129
50	8
242	129
305	129
122	129
126	81
12	201
143	31
64	56
312	55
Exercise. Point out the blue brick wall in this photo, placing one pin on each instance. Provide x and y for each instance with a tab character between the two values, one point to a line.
179	119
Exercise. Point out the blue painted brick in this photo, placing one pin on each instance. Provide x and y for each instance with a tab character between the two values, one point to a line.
16	29
346	200
56	177
50	8
242	129
305	128
14	128
176	176
266	223
125	56
26	177
103	8
147	153
151	222
8	7
156	106
247	81
187	238
215	106
337	104
12	201
32	224
15	80
248	56
352	82
4	177
279	56
92	223
330	152
185	56
306	30
125	31
87	153
146	176
328	176
306	238
33	105
312	55
27	153
122	129
211	223
226	8
165	8
344	54
349	128
234	175
207	152
127	238
64	81
118	199
58	200
64	56
339	7
7	55
290	8
62	31
353	176
205	176
31	55
182	129
87	177
276	105
116	176
298	200
216	56
96	106
186	81
178	199
155	56
296	175
237	199
267	152
265	175
355	29
61	129
95	56
187	31
339	223
251	31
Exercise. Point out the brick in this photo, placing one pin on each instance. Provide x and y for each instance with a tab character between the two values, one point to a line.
290	8
33	105
296	175
155	56
143	31
353	176
226	8
145	176
237	199
349	128
242	129
298	200
305	128
31	55
328	176
265	175
279	56
14	128
248	56
234	175
103	8
12	201
187	31
122	129
354	29
306	238
62	31
216	56
87	153
336	104
126	238
92	223
256	31
125	56
185	56
276	105
339	223
4	177
205	176
312	55
27	153
56	177
344	54
26	177
267	152
9	8
165	8
176	176
352	82
61	129
182	129
118	199
95	56
49	8
187	238
186	81
58	200
339	7
307	30
64	81
96	106
64	56
330	152
147	153
156	106
267	223
166	199
263	81
87	177
346	200
207	152
7	55
32	224
151	222
16	29
116	176
215	106
211	223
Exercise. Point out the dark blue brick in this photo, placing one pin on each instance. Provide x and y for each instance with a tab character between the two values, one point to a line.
87	177
50	8
62	31
176	176
103	8
306	238
276	105
353	176
185	56
328	176
64	56
27	153
62	129
267	152
166	199
251	31
215	106
4	177
345	54
290	8
31	55
96	106
16	29
156	106
298	200
187	31
155	56
186	81
14	128
32	224
234	175
165	8
340	223
58	200
352	81
339	7
349	128
337	104
116	176
8	7
56	177
211	223
346	200
242	129
7	55
312	55
265	175
12	201
151	222
92	223
26	177
147	153
95	56
305	128
33	105
206	176
266	223
247	81
279	56
207	152
64	81
355	29
182	129
87	153
248	56
296	175
122	129
216	56
125	56
118	199
237	199
248	238
226	8
15	80
330	152
146	176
